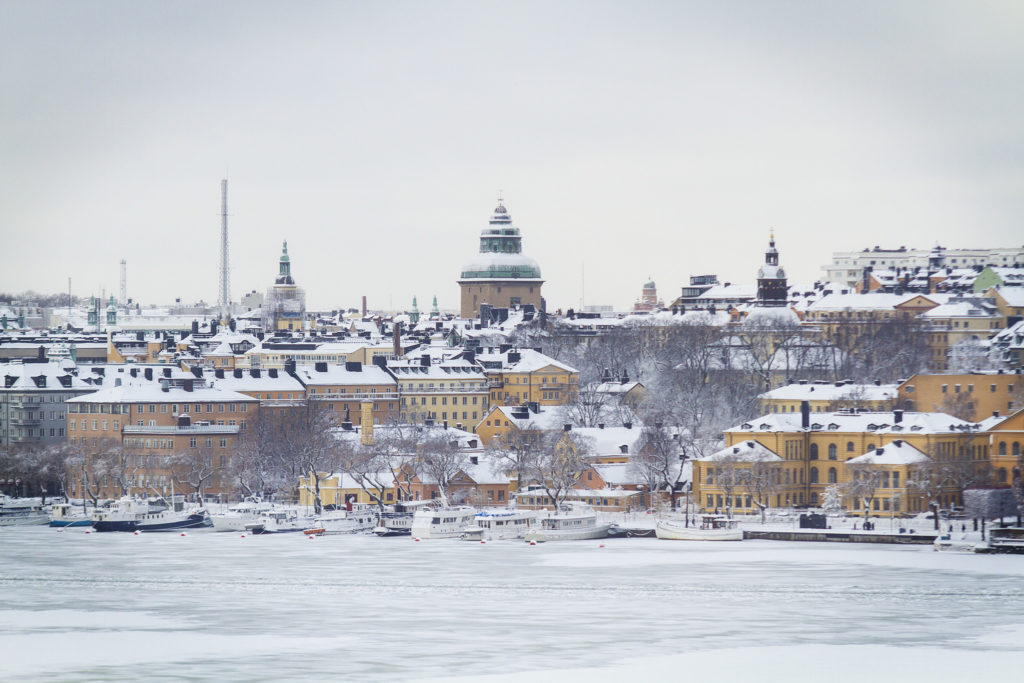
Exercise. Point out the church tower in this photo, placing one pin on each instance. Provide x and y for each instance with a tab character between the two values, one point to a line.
500	275
772	289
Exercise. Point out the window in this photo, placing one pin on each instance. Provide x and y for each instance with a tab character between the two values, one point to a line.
814	475
832	475
849	447
814	451
223	442
192	442
832	451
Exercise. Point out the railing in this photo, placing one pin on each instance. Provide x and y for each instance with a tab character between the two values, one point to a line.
444	390
174	429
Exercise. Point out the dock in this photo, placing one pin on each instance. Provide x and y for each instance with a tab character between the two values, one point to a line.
826	536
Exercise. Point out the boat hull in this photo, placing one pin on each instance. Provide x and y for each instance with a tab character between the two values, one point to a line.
61	523
192	521
676	532
545	535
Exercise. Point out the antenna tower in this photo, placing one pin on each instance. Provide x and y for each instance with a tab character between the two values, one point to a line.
124	282
223	298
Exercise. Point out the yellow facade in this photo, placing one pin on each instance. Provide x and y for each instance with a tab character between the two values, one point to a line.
981	394
815	459
548	386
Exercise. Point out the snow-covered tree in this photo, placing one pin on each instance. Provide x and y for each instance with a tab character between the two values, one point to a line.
832	501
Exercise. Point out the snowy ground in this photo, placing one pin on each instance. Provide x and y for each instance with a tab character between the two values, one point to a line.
210	606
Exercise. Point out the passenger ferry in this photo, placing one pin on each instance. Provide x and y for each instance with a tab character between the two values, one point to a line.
359	518
442	522
492	525
572	522
240	514
132	514
22	511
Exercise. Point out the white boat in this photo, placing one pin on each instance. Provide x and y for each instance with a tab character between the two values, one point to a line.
239	515
442	522
397	519
66	514
132	514
711	528
493	525
279	521
572	522
22	512
359	518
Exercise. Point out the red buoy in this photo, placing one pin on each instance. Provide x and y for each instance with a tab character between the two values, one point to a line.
182	533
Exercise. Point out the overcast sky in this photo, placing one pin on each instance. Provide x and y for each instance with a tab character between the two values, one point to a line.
630	139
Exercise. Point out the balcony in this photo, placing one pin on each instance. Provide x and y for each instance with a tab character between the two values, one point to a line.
172	430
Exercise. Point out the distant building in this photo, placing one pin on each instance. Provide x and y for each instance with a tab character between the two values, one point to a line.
33	400
500	275
848	266
648	299
285	304
771	279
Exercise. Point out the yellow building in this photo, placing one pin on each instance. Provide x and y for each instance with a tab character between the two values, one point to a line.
974	396
824	397
1006	445
815	450
518	376
451	391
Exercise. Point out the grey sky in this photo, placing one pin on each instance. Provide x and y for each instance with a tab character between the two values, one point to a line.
639	139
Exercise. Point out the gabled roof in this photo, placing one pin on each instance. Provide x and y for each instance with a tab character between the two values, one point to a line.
895	453
746	451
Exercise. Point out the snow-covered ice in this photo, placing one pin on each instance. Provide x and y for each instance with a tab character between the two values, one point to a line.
211	606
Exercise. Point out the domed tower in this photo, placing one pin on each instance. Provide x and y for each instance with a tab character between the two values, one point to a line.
500	275
284	306
772	289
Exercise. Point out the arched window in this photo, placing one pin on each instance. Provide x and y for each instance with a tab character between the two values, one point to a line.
814	451
871	447
1016	448
831	475
832	451
849	447
1002	448
814	475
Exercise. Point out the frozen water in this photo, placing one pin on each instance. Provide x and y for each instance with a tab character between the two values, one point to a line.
79	606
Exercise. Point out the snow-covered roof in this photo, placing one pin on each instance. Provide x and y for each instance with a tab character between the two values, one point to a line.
263	382
876	422
895	453
870	301
338	374
828	391
152	392
530	360
1013	296
745	451
51	376
612	440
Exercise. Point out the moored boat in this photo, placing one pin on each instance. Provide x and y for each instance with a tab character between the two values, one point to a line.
711	528
491	525
66	514
360	518
279	521
572	522
397	520
132	514
240	514
22	512
442	522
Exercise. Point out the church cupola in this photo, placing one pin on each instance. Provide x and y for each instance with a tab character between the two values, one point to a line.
772	289
284	275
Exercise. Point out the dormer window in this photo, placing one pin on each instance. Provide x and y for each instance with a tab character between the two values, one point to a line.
746	425
816	426
833	426
764	425
915	428
872	427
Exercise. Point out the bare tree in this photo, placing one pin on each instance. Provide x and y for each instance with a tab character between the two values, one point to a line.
930	479
864	485
761	479
194	467
439	461
518	449
561	464
658	461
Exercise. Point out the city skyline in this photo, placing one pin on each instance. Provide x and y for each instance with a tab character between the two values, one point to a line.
657	141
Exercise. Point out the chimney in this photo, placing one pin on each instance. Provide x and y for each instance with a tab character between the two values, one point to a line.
289	366
627	425
879	451
237	373
272	372
353	366
134	372
167	372
600	425
219	373
805	414
995	413
897	416
514	357
366	423
469	356
897	442
148	372
187	384
364	305
567	427
321	366
424	361
396	342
